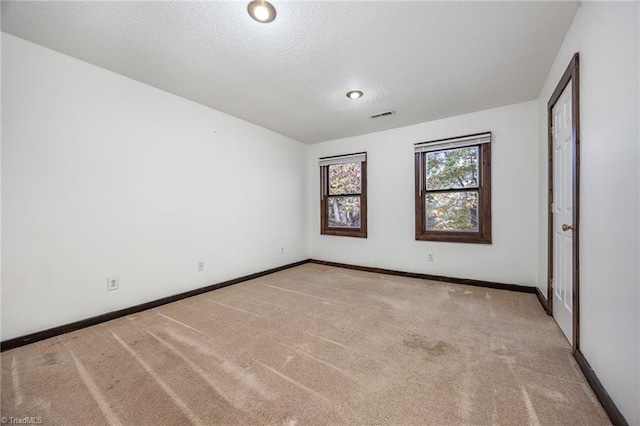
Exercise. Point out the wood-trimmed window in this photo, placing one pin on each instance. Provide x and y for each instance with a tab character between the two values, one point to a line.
343	191
453	189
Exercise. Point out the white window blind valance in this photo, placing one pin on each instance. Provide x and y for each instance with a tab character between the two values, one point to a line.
343	159
452	143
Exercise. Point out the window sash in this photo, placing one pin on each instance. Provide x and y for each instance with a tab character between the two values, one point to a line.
328	206
328	183
449	231
424	184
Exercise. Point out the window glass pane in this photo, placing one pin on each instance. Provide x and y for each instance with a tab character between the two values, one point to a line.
344	212
345	178
453	168
452	211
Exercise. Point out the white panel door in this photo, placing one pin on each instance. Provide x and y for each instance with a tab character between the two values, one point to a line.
563	213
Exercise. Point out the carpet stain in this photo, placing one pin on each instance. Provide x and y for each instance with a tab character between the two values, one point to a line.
497	346
50	358
417	341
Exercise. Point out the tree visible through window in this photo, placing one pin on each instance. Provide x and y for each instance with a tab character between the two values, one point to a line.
343	204
453	196
345	187
454	171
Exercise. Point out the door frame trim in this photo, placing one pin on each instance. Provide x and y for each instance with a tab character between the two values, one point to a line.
572	75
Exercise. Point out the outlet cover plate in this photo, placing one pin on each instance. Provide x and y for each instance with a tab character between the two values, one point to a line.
113	283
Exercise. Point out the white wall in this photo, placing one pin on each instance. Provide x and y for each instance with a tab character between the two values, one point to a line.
391	240
606	35
103	175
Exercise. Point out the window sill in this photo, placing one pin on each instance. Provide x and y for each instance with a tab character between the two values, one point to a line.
454	237
357	233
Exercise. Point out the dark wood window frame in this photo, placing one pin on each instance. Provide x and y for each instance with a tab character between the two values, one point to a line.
483	235
325	229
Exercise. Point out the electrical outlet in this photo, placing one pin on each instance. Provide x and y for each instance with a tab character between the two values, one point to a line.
282	250
430	257
200	266
113	283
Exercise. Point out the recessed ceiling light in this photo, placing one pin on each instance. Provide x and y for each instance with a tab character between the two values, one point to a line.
262	11
354	94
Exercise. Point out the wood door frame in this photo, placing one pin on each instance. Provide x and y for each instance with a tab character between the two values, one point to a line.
572	75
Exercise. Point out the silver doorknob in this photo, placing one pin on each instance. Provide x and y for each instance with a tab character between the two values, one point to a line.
566	227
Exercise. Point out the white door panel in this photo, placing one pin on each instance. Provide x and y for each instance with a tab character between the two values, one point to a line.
563	213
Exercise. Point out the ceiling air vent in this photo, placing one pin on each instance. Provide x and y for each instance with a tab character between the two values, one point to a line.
382	114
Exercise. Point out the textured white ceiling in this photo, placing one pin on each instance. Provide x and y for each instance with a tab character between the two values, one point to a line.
423	60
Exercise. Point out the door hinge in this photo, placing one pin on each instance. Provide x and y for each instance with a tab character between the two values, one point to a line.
551	206
551	283
551	131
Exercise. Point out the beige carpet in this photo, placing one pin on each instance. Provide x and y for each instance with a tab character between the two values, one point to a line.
311	345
